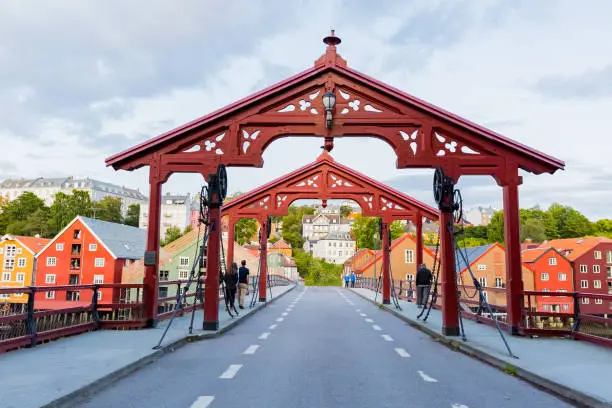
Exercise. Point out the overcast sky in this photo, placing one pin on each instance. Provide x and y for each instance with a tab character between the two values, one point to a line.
82	80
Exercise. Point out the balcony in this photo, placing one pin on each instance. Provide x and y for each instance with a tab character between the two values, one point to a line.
75	264
76	249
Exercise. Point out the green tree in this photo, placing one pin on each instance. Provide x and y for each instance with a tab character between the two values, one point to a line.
366	231
569	223
22	207
292	225
397	229
107	209
172	234
132	217
66	207
38	223
603	228
467	242
533	230
345	210
495	229
245	228
188	228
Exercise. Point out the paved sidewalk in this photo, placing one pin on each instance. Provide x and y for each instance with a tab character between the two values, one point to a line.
40	376
576	369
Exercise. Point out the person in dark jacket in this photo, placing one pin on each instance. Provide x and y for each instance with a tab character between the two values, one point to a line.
243	283
423	283
231	285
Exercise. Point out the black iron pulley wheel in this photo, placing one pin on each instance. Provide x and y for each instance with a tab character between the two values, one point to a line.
457	206
269	230
204	203
222	182
438	185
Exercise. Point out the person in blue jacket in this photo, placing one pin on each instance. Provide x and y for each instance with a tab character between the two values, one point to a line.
346	280
353	278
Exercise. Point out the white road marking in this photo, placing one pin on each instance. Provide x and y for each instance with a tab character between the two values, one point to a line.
459	406
202	402
231	371
274	326
264	335
358	310
376	327
251	349
280	319
402	352
427	378
386	337
284	314
369	320
363	314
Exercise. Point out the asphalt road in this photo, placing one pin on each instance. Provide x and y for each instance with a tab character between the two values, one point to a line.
320	347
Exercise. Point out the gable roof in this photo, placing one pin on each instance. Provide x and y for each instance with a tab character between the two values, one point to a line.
472	254
576	246
32	244
122	241
182	242
281	244
328	64
533	254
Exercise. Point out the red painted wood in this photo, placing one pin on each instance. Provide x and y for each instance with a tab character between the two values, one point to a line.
386	265
211	287
419	238
514	273
263	259
230	241
150	281
450	311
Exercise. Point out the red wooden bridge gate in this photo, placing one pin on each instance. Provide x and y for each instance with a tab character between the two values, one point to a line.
331	100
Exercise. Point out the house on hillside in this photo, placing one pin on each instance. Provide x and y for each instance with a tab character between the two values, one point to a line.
357	261
335	247
552	273
17	258
281	246
591	260
86	251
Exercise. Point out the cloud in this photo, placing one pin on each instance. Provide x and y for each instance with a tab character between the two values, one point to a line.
80	81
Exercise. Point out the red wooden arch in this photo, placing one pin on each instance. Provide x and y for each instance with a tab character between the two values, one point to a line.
422	136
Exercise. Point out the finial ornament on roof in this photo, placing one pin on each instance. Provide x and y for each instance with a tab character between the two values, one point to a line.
332	40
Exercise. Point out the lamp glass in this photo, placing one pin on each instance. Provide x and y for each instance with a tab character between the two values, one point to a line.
329	100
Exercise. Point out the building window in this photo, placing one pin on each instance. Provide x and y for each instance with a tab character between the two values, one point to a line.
598	302
544	276
6	276
596	269
77	234
50	278
609	256
98	279
183	274
482	267
597	254
597	284
19	250
1	250
10	251
184	261
584	284
485	296
409	256
21	262
609	271
51	261
565	307
545	307
99	262
545	290
99	295
562	276
93	247
585	301
409	277
21	277
50	295
59	247
9	264
483	282
583	269
499	283
552	260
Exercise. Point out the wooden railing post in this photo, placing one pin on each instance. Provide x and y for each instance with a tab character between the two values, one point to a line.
30	323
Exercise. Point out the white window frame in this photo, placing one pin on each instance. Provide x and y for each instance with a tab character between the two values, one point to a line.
59	246
562	276
98	279
50	278
11	250
545	307
409	277
51	261
99	295
184	261
183	274
93	247
20	275
6	276
544	276
1	250
99	263
482	281
50	294
584	268
21	262
565	307
499	282
608	256
9	264
598	301
482	267
597	254
552	261
586	301
584	284
409	256
596	269
596	284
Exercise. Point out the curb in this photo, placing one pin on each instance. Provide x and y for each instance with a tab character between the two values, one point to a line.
573	396
79	395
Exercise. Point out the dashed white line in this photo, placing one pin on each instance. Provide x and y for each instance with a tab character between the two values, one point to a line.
280	319
202	402
358	310
362	314
369	320
376	327
402	352
427	378
284	314
264	335
231	371
274	326
459	406
251	349
387	337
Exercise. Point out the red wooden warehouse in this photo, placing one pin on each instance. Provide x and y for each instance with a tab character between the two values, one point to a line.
86	251
331	100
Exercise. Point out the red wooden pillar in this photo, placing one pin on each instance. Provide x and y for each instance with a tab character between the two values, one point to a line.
450	312
263	260
231	226
211	284
514	272
150	281
386	263
419	237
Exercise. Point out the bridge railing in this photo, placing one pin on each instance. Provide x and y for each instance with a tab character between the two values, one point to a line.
44	313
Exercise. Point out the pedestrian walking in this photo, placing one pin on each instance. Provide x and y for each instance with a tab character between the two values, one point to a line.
243	283
423	283
353	278
231	284
346	280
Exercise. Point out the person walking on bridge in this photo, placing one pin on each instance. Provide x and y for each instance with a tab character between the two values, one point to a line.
423	282
231	284
353	278
243	283
346	280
